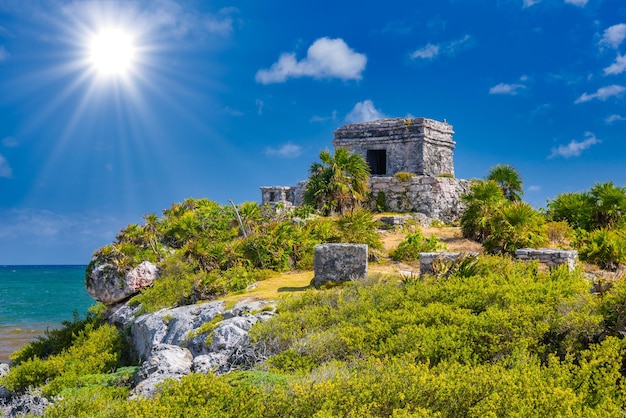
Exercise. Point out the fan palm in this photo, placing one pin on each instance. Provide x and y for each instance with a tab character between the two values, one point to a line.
509	180
338	183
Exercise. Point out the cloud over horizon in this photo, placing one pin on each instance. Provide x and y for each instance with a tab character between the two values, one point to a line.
602	94
614	118
579	3
326	58
574	148
364	111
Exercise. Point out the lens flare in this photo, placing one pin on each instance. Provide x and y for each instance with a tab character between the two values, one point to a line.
112	52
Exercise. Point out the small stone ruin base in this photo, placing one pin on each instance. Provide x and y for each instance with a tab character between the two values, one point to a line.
549	257
339	262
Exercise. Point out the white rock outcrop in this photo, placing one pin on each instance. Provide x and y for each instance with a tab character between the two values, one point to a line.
105	284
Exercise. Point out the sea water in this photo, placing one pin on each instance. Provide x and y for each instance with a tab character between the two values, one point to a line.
34	299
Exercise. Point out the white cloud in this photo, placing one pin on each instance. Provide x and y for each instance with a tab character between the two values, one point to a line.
4	54
574	148
9	142
288	150
232	112
316	118
618	67
431	51
614	118
259	106
504	88
326	58
614	35
427	52
530	3
602	94
533	188
579	3
364	112
5	168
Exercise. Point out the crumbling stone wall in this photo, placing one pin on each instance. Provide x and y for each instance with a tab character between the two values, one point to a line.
273	195
436	197
420	146
549	257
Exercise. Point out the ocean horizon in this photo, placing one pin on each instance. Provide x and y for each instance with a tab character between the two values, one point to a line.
36	298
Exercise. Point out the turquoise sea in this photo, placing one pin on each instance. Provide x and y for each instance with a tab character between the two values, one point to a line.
36	298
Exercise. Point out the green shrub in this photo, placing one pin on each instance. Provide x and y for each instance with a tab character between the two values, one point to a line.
175	286
604	247
446	175
414	244
95	350
516	225
359	227
381	202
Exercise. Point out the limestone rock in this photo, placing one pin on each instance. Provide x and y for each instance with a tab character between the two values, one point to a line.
170	326
4	392
165	361
339	262
109	287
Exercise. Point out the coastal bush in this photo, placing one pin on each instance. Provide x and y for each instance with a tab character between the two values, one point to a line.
404	176
603	247
359	227
603	206
516	225
414	244
95	350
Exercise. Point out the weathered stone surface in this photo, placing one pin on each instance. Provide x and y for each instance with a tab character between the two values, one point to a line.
121	315
165	361
107	286
30	404
416	145
549	257
339	262
435	197
170	326
4	392
210	363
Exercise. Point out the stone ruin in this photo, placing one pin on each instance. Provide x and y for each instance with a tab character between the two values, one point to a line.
419	148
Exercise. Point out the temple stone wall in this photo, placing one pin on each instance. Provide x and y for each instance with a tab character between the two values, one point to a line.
436	197
420	146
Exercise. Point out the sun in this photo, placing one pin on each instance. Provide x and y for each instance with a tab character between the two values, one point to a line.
112	52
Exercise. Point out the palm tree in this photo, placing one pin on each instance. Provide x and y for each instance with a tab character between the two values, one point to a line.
338	182
509	180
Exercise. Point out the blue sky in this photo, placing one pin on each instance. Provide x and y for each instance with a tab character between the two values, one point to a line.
222	97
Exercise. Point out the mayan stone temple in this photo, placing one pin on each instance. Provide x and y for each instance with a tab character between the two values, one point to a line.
420	149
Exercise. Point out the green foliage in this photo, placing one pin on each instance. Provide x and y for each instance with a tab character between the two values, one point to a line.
446	175
604	206
500	224
509	181
559	233
483	202
95	350
517	225
501	340
404	176
604	247
359	227
338	183
57	340
414	244
174	287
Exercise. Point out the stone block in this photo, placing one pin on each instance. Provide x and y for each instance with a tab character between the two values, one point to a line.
339	262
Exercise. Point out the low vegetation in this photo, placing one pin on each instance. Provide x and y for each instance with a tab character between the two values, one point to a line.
484	337
506	340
